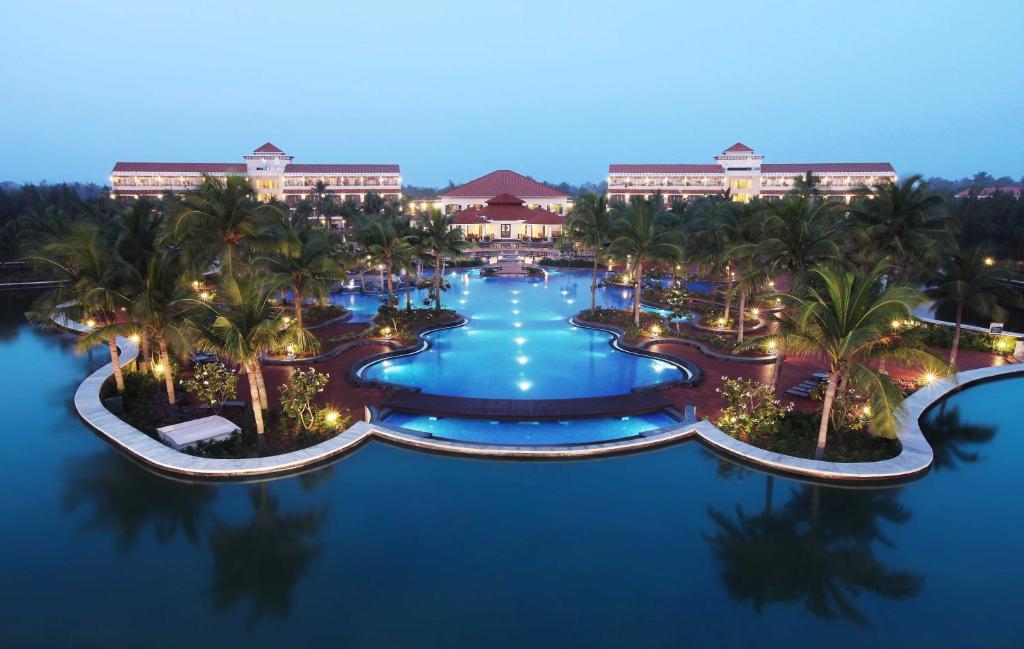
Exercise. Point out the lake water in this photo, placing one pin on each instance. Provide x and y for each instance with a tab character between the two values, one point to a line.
393	547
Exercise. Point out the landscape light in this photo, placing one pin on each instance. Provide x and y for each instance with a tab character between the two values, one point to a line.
772	345
158	368
989	261
287	320
290	349
205	296
655	331
867	411
135	338
90	323
930	377
896	324
331	417
386	332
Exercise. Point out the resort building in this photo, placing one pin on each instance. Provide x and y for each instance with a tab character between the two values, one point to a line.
743	173
476	193
271	172
507	217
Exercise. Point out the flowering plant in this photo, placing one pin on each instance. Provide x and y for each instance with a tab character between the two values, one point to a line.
751	408
212	383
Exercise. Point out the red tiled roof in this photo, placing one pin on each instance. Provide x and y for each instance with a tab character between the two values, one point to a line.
665	169
504	199
340	169
268	148
503	181
544	217
738	147
507	212
171	168
828	167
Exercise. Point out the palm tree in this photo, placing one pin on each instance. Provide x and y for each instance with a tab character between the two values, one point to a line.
439	239
970	281
303	260
241	327
845	318
160	306
800	232
383	242
635	234
218	218
904	223
92	277
590	224
745	232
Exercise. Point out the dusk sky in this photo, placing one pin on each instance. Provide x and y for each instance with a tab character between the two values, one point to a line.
556	90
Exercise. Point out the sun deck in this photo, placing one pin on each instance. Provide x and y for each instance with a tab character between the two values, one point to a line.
636	403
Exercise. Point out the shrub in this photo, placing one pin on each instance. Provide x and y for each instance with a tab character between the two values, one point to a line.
297	396
212	383
751	408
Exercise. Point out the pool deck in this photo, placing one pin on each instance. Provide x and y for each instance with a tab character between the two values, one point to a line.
914	459
636	403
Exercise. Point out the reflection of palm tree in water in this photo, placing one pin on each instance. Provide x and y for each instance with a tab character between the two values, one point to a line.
816	549
262	560
127	499
947	434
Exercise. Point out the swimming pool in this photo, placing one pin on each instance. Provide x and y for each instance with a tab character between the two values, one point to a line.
572	431
518	344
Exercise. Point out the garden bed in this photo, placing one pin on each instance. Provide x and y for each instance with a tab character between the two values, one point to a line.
797	435
145	407
651	326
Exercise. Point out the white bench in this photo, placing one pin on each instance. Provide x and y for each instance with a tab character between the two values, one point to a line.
187	433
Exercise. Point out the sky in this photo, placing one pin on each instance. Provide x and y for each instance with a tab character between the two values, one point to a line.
555	90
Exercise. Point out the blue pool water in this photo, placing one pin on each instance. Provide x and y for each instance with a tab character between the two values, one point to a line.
518	344
391	547
573	431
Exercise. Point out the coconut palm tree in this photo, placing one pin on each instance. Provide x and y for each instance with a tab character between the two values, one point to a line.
241	327
970	281
904	223
636	235
219	218
93	276
161	303
745	231
383	242
590	223
845	318
799	232
302	258
438	239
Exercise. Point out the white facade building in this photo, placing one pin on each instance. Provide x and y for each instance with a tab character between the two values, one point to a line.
271	172
743	173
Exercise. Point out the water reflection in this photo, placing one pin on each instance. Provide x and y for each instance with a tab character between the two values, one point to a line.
817	549
262	560
127	500
948	435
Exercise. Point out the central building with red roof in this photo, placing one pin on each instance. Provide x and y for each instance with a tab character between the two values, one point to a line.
476	193
272	173
743	173
507	217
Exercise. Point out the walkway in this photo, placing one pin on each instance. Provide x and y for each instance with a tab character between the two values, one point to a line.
637	403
